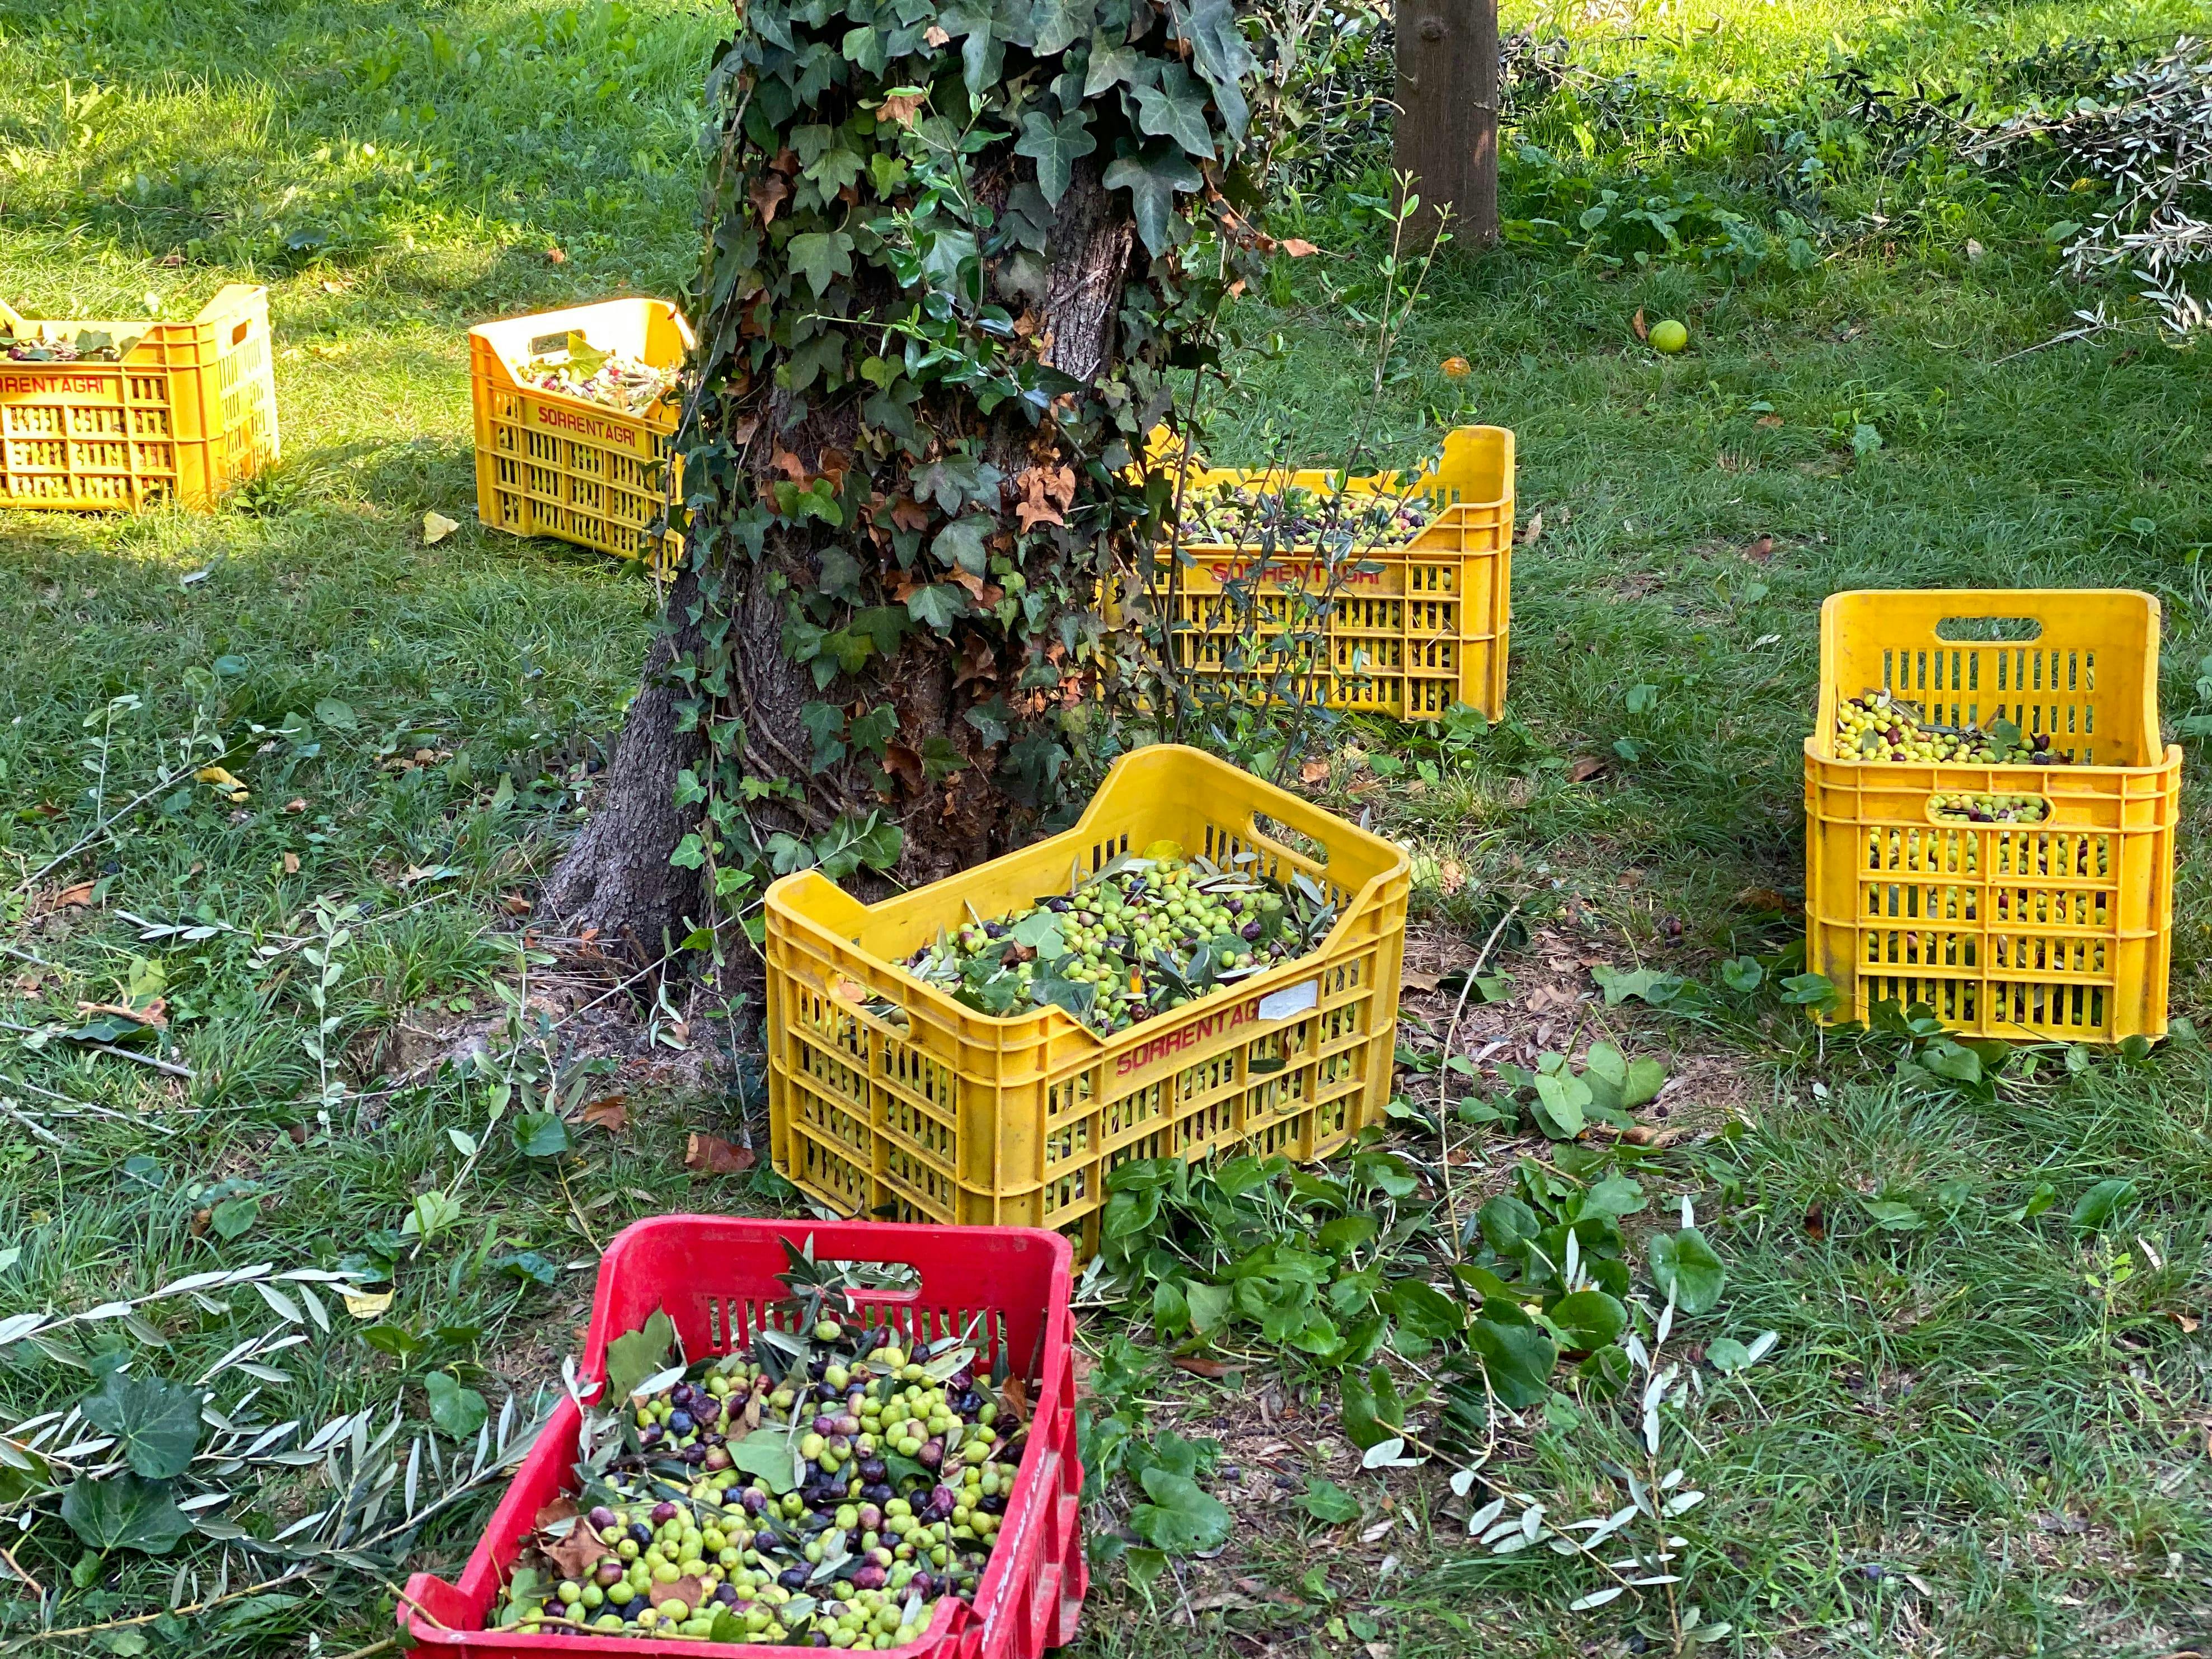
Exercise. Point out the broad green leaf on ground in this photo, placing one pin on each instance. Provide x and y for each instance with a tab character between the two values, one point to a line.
1426	1311
1182	1517
459	1411
1517	1358
767	1453
1209	1305
2101	1203
1615	1196
1684	1267
1506	1223
638	1354
125	1512
1646	984
1893	1215
1372	1410
1560	1105
540	1134
155	1423
1325	1500
1590	1319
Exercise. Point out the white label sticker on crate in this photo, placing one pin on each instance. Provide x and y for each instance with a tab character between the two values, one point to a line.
1292	999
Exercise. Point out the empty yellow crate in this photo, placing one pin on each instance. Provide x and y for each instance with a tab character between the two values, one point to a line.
2059	929
188	414
1413	628
551	464
889	1099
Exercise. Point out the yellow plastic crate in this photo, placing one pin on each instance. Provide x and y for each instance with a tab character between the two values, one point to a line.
1414	628
551	465
889	1099
187	415
2059	929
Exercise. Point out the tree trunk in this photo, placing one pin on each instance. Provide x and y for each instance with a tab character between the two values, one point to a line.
616	875
1446	125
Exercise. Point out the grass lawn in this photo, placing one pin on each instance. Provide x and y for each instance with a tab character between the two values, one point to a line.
1982	1432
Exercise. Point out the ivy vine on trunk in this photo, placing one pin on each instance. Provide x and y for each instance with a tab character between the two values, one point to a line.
953	253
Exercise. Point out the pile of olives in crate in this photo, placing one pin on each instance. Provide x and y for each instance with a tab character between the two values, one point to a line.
609	378
1301	518
831	1497
1965	807
1143	935
90	346
1878	726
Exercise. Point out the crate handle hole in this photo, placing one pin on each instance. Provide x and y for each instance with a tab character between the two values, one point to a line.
1989	630
238	335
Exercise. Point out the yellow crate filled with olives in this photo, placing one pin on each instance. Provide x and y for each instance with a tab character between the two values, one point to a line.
1989	812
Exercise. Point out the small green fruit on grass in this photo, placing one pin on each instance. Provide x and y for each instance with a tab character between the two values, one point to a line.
1669	336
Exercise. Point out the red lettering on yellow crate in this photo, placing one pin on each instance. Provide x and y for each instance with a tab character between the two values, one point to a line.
45	386
1307	575
1173	1042
589	426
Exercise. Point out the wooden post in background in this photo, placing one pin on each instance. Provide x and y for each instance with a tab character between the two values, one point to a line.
1446	125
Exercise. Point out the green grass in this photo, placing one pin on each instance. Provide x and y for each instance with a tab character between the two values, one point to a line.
2003	1419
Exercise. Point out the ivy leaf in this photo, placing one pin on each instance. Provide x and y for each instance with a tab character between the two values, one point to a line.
1223	58
1056	25
637	1355
961	543
767	1453
1055	146
1112	62
125	1512
1175	109
156	1423
937	607
820	256
1182	1517
1152	182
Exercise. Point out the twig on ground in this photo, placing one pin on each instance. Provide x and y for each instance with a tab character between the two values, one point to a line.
168	1068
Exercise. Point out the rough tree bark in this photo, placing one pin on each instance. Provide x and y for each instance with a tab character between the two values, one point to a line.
1446	125
616	876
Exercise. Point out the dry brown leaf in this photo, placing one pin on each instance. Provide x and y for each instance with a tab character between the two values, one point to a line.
1816	1222
1014	1394
1643	329
291	863
1644	1134
1584	768
908	514
609	1112
2188	1325
75	896
436	526
935	36
1456	368
712	1155
902	107
297	804
1315	771
1770	422
1298	247
554	1511
514	904
1200	1365
1450	876
576	1551
1765	898
554	256
1760	550
1414	979
1532	529
155	1013
766	195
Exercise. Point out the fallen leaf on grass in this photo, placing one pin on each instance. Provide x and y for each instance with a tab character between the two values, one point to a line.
555	256
1313	771
1816	1222
1643	1134
1770	422
415	873
1643	329
1765	898
2188	1325
436	526
1200	1365
1584	768
712	1155
297	804
514	904
369	1304
155	1013
1532	529
1414	979
291	863
76	897
225	785
609	1112
1760	550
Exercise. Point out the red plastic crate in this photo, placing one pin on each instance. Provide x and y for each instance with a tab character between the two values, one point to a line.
716	1276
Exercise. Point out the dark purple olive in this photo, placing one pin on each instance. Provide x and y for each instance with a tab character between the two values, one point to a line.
994	1503
960	1381
940	1504
871	1518
1059	906
694	1455
792	1578
727	1593
877	1491
649	1435
994	930
601	1518
869	1577
931	1455
1234	905
825	1424
642	1533
754	1499
873	1469
819	1640
554	1609
681	1423
609	1572
663	1513
820	1365
1250	930
824	1393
